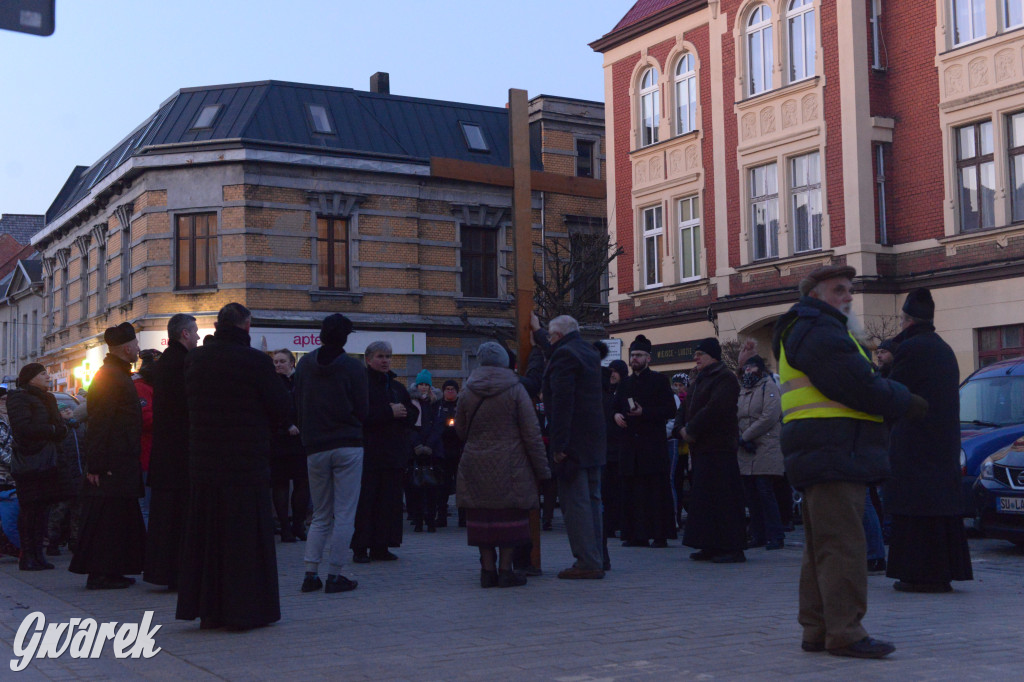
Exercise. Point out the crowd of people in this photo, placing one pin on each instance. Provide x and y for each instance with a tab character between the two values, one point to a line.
227	445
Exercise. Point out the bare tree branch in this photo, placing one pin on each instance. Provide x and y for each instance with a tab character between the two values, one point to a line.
574	269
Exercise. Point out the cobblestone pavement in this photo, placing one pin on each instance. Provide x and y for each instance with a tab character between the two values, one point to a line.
657	615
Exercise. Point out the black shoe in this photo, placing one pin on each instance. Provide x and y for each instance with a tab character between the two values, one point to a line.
924	588
865	648
299	532
382	556
488	578
775	544
660	544
339	583
729	558
417	527
510	579
41	559
635	543
546	525
287	536
876	566
703	555
360	558
431	529
812	647
27	562
606	566
107	582
532	571
754	544
312	582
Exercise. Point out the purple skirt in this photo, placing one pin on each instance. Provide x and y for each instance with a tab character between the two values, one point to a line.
497	527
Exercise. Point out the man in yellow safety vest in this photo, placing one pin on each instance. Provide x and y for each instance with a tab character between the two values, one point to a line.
834	440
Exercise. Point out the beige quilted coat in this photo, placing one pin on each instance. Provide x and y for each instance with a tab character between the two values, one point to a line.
504	454
759	410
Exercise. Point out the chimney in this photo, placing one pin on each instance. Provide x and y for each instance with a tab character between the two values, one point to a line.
380	83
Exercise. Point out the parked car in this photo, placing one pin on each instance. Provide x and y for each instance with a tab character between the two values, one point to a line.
63	397
999	494
991	418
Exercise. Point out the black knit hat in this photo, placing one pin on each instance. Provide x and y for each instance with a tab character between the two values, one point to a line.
641	343
28	373
450	382
757	361
119	335
619	367
919	304
334	330
710	346
889	345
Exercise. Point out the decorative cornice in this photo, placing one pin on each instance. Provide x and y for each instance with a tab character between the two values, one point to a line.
82	242
99	233
334	204
480	214
123	213
48	266
62	256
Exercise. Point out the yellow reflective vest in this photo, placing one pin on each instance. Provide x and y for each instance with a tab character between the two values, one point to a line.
801	400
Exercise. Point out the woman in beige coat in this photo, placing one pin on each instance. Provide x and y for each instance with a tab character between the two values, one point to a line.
760	453
502	460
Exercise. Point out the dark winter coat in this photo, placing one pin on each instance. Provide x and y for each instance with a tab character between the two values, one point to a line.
430	432
711	411
36	421
332	402
818	344
925	453
113	441
504	453
613	434
449	436
168	461
283	443
573	401
644	448
71	460
235	402
387	440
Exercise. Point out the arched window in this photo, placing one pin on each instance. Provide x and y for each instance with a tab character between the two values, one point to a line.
686	95
650	107
801	39
759	50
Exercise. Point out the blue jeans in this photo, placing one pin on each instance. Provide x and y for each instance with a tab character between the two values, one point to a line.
334	480
580	498
765	522
872	529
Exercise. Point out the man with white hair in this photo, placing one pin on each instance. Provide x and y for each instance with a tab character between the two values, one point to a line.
834	440
575	411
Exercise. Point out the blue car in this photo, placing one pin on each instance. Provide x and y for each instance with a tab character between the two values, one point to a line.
991	419
999	494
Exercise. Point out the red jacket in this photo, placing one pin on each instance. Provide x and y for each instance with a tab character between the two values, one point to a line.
145	392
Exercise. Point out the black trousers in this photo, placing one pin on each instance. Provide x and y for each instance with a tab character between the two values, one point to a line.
379	514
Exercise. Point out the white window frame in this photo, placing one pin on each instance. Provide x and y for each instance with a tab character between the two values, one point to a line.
689	234
686	91
805	188
653	235
649	103
801	13
764	198
759	27
978	167
1007	4
1015	164
973	7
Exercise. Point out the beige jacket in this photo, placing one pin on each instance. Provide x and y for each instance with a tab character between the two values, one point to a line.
759	411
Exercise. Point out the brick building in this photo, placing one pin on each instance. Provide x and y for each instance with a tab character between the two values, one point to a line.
752	141
21	300
303	200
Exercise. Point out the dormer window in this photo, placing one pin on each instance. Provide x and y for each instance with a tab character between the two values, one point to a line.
207	116
320	119
474	135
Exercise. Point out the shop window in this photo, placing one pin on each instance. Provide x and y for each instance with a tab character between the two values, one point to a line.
332	253
196	251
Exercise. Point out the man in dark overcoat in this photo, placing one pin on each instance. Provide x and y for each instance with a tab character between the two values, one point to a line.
716	518
928	547
113	536
572	397
387	448
235	402
647	507
168	462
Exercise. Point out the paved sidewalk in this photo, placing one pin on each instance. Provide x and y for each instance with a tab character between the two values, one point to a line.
657	615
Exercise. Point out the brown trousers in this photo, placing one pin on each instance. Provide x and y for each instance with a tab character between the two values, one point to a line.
833	577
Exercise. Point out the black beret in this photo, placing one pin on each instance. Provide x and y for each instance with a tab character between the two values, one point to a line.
119	335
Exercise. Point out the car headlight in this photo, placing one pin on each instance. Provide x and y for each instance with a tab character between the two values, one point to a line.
986	471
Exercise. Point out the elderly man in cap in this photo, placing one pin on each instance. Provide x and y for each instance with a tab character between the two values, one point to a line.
834	405
928	547
643	404
112	539
715	520
332	400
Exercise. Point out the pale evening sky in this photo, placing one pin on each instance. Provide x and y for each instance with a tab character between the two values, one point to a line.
67	99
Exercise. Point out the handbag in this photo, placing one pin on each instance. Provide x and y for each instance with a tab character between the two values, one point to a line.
425	475
39	464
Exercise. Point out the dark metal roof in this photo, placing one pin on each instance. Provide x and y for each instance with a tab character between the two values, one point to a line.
277	113
34	269
20	226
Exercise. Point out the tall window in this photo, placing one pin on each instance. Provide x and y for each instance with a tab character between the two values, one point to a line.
585	158
479	262
35	331
50	298
977	175
686	95
101	278
805	183
650	108
654	235
332	253
801	39
1013	13
968	20
24	335
1016	137
65	290
759	50
196	251
83	287
689	238
764	210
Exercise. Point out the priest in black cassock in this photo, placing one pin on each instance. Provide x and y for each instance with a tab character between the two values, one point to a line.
235	401
113	536
647	508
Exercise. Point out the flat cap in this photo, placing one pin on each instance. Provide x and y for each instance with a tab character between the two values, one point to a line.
819	275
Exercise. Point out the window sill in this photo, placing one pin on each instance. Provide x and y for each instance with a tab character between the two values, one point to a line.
495	303
999	235
785	265
693	134
212	289
328	295
808	83
688	285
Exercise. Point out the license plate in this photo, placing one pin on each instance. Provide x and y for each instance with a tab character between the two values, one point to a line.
1011	505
